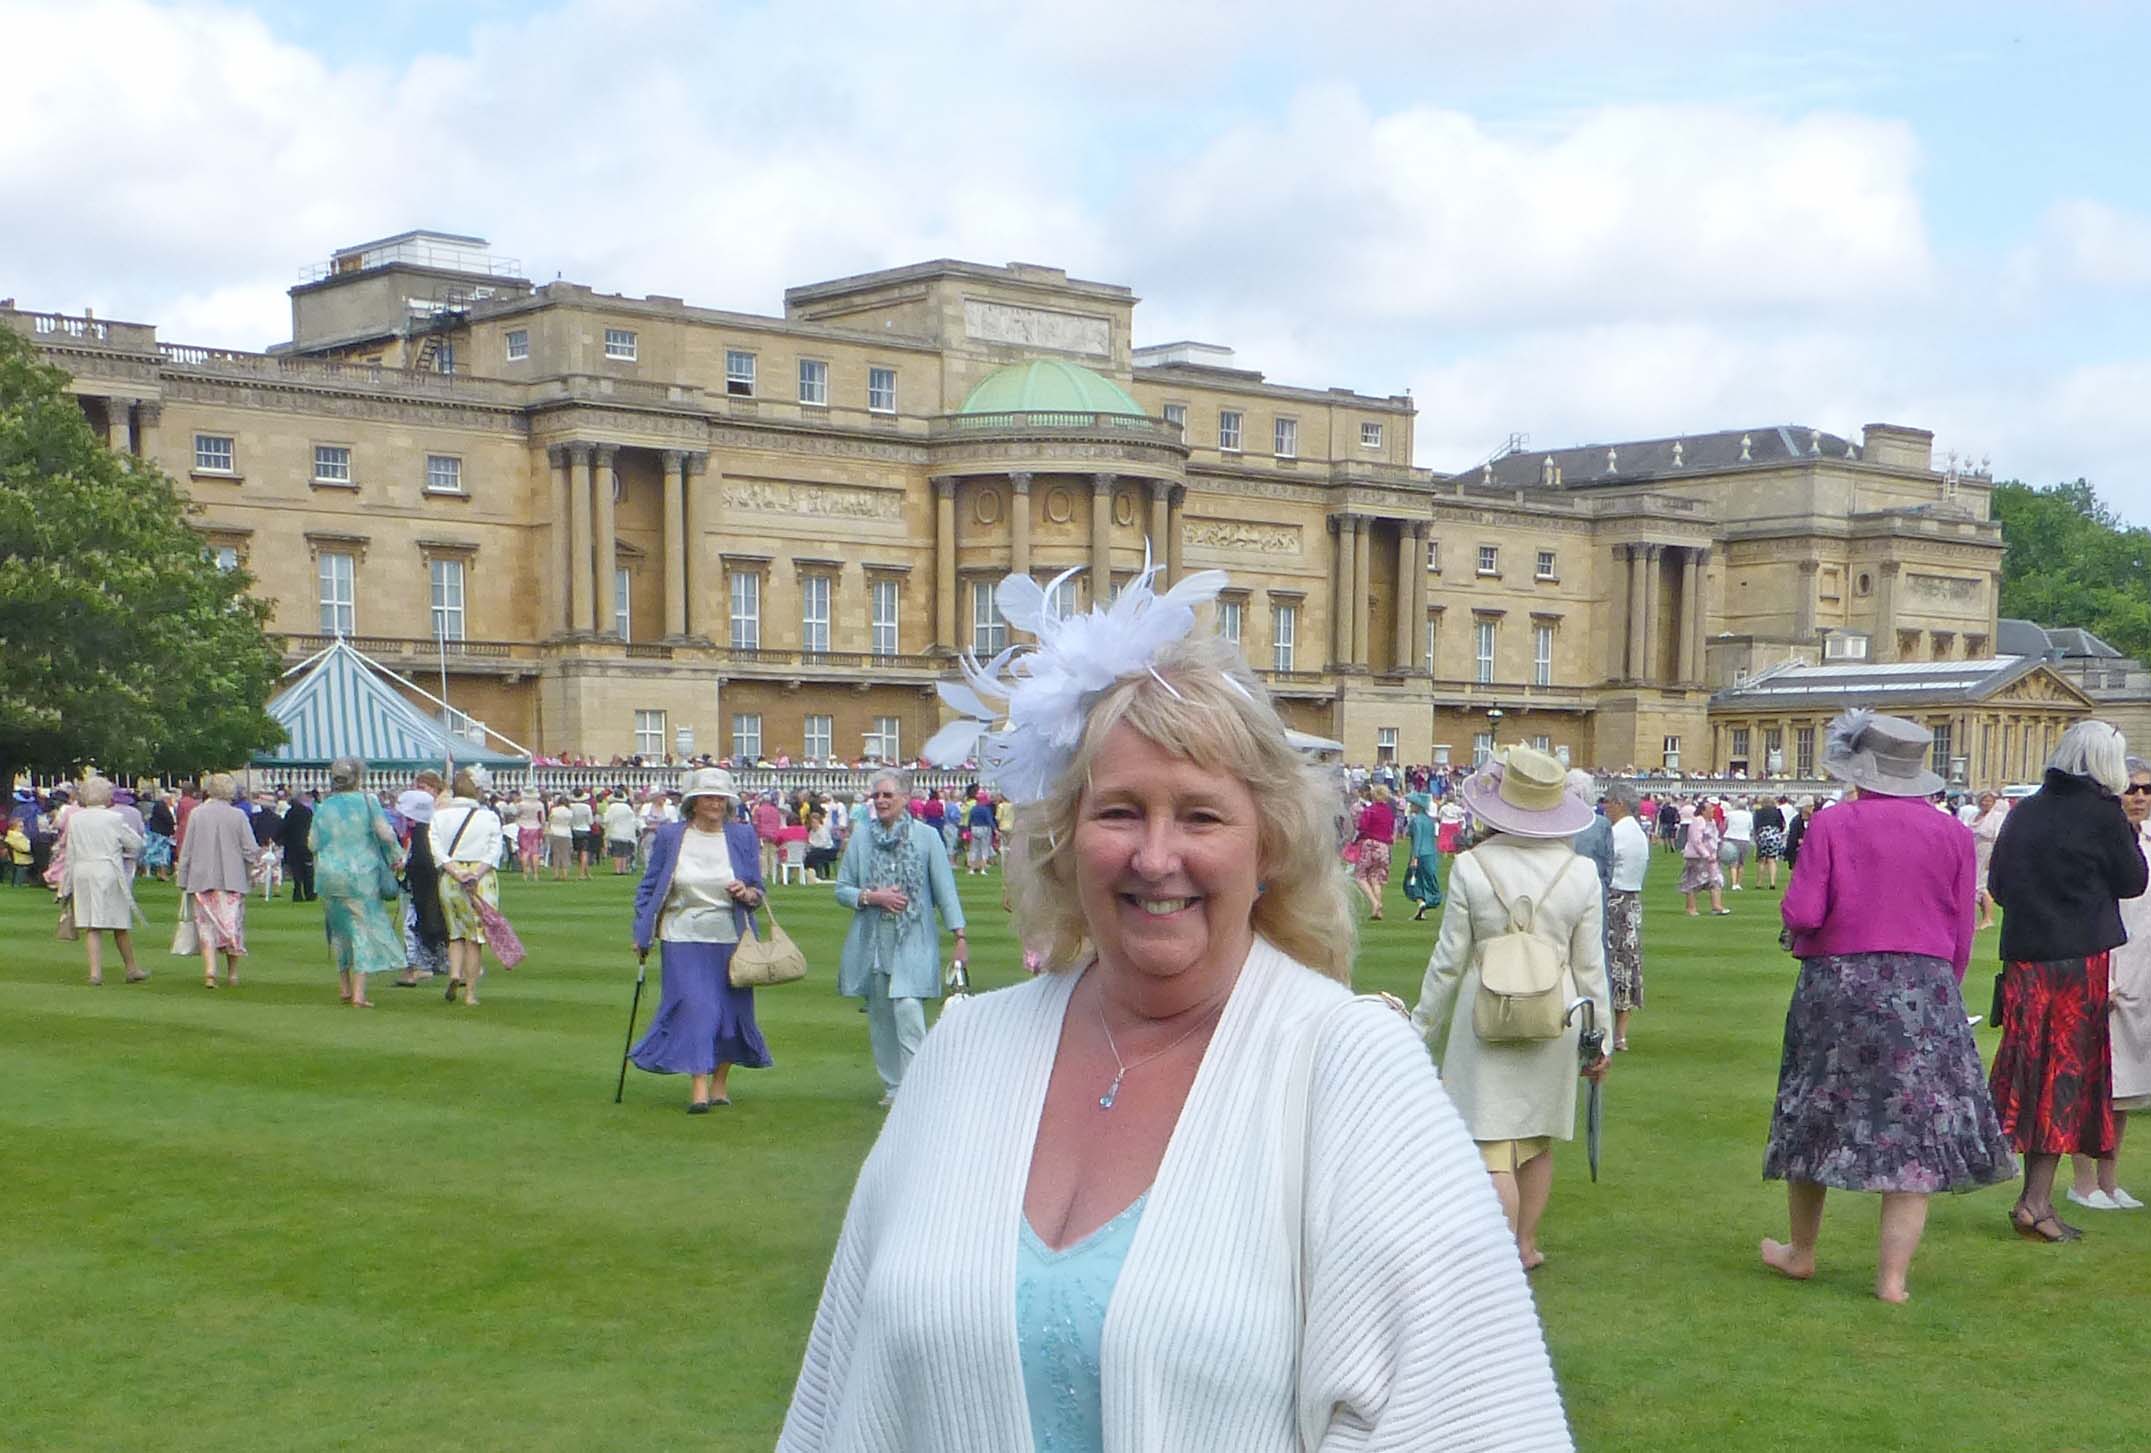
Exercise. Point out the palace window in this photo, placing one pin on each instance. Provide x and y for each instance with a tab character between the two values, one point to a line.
444	474
1482	748
1542	655
649	734
1845	648
1545	569
1489	560
446	580
885	741
622	616
746	735
339	597
332	464
1177	416
989	633
738	374
1228	621
813	381
1740	744
1773	749
213	453
444	357
1434	555
1063	598
1228	430
1288	438
883	618
226	556
1385	744
620	344
519	349
1285	624
1942	746
1669	754
819	741
1484	651
881	390
1433	634
1370	436
746	611
1803	751
814	613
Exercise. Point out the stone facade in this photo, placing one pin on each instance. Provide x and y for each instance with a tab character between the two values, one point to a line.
659	519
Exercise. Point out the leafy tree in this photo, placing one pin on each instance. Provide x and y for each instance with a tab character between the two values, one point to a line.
121	642
2070	561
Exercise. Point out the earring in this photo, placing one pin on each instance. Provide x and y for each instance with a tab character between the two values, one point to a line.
1261	888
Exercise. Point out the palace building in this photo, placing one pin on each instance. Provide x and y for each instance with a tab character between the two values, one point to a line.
637	525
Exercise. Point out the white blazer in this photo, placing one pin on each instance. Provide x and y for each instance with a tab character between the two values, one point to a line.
1513	1091
1419	1332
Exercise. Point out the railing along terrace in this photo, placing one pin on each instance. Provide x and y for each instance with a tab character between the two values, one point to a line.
775	656
327	370
306	645
1134	426
47	323
838	781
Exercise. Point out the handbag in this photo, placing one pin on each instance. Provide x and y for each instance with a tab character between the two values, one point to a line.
186	939
64	930
500	935
758	963
388	888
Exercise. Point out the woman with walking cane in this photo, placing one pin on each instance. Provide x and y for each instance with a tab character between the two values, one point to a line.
697	896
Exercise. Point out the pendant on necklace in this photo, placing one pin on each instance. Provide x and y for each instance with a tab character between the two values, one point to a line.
1112	1092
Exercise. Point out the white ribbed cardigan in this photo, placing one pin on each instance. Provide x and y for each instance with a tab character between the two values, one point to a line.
1420	1331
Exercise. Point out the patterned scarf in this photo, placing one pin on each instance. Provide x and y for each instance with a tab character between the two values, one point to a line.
894	863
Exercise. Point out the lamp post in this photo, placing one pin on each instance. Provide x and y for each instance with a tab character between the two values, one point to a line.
1493	730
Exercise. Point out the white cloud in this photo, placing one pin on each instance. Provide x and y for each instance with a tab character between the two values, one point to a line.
2090	243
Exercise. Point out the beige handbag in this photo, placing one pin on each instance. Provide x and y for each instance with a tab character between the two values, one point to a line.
758	962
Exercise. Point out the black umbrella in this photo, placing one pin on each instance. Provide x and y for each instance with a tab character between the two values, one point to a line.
1590	1049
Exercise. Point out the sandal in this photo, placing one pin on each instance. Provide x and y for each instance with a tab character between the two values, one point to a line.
2034	1228
136	976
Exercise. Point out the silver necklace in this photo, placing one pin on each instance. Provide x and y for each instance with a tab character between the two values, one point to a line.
1112	1091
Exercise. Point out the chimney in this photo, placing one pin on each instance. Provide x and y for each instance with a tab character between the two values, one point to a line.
1897	447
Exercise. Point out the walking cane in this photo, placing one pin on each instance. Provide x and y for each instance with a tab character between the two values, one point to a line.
642	964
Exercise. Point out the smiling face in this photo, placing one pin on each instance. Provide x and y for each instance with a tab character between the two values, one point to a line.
1167	857
888	801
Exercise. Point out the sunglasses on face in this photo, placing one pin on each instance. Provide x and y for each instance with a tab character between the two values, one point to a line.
2137	789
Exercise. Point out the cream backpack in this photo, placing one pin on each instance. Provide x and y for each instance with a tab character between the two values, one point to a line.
1520	997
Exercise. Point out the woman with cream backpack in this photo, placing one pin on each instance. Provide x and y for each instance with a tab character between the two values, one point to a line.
1521	939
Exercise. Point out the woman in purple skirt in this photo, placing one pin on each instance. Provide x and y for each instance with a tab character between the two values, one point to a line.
703	881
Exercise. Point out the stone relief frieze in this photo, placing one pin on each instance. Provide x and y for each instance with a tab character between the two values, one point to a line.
1037	328
826	501
1952	589
722	436
1219	487
1240	537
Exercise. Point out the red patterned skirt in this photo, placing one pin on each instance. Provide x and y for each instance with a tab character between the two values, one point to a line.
2053	1076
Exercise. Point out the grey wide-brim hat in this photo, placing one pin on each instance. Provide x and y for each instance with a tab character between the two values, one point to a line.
1881	754
707	782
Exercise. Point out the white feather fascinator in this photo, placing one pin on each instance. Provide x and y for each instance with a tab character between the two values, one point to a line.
1022	713
1842	737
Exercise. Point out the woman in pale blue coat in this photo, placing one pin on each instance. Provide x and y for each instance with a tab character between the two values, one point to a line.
895	877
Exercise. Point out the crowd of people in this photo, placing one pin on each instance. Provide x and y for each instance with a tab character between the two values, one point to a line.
1115	1130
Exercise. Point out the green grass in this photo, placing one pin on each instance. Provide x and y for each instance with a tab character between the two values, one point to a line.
262	1220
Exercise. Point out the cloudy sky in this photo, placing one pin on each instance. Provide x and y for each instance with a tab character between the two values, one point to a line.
1576	221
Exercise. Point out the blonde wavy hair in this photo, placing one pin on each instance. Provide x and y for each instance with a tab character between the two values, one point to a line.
1193	711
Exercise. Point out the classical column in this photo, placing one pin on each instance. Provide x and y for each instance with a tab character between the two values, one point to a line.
674	532
1161	514
1804	616
1019	522
1101	538
116	435
1341	529
1691	577
1175	529
944	562
604	486
1701	622
147	415
1651	592
556	455
1886	611
1362	576
700	600
1420	531
1400	659
583	612
1635	612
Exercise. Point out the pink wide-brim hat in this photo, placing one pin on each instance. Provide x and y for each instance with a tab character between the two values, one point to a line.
1526	795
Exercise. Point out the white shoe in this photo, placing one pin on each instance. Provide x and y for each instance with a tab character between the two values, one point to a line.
1736	887
2096	1201
2126	1201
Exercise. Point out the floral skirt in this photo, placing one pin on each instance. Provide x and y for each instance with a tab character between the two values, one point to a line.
1769	842
1699	874
156	852
220	920
1373	865
2053	1075
1880	1086
362	940
456	906
1624	949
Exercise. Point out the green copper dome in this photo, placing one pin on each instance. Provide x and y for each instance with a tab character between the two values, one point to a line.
1048	386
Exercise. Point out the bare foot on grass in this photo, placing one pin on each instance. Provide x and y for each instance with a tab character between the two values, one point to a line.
1892	1294
1786	1261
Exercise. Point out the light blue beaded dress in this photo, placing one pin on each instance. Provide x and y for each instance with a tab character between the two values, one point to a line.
1061	1297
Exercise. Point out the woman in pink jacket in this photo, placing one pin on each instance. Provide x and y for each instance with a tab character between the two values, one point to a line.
1699	861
